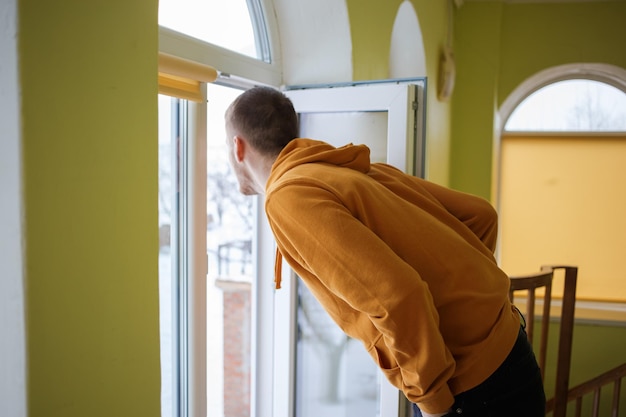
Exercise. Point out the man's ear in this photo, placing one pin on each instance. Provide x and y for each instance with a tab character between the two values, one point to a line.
239	148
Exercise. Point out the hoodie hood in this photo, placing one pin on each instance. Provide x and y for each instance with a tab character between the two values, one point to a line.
308	151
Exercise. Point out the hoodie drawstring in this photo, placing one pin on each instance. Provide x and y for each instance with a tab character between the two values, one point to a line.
278	269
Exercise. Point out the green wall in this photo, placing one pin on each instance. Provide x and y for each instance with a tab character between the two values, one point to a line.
498	46
371	25
596	348
88	83
536	37
371	22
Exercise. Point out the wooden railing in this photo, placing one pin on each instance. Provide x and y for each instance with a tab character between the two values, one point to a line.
593	386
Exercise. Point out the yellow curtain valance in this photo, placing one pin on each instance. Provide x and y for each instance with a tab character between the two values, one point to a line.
181	77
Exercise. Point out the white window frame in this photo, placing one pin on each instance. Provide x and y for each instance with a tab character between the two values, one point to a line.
189	262
234	68
406	127
195	225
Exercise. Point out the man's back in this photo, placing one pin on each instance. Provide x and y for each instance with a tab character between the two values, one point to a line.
399	263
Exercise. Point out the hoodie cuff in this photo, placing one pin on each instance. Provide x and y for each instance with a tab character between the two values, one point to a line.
438	403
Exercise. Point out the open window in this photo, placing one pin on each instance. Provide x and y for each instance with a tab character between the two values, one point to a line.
331	374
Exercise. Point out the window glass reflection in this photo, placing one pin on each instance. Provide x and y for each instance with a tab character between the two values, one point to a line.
572	105
224	23
335	375
230	227
168	168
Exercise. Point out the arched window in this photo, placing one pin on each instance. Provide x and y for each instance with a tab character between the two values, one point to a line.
561	173
237	25
578	105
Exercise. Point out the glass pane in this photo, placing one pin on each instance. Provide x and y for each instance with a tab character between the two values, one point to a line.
335	375
340	128
224	23
230	224
229	248
168	127
574	106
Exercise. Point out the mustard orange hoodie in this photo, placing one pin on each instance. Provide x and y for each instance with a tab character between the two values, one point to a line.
399	263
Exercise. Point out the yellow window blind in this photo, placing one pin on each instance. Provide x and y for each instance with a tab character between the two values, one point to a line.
179	77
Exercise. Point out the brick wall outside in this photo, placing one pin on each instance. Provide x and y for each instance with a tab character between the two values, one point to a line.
237	313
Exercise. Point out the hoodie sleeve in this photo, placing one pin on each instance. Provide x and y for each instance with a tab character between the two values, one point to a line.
475	212
350	265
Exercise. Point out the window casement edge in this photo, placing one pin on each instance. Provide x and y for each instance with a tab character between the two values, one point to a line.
230	63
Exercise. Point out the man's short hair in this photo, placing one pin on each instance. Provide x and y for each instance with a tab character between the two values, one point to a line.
265	117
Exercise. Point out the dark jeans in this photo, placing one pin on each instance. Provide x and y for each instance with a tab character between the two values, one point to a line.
515	389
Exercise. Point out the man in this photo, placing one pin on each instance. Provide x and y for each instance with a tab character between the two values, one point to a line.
402	264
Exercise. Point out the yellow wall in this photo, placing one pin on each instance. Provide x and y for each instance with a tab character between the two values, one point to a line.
499	45
88	82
